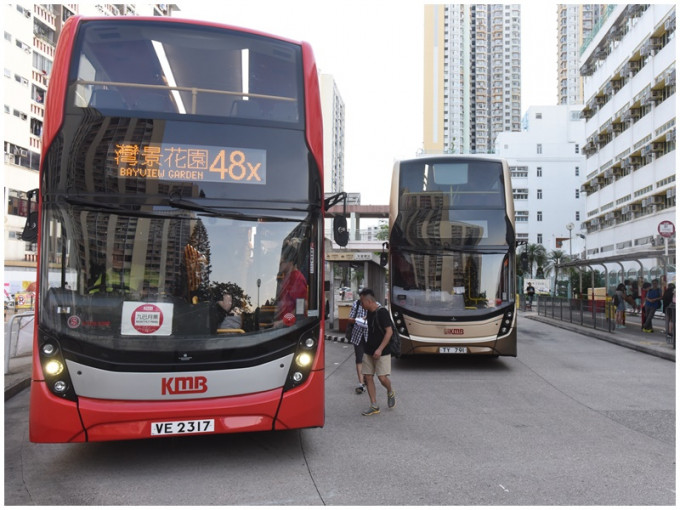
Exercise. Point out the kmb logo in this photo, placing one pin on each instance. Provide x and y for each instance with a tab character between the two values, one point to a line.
181	385
454	331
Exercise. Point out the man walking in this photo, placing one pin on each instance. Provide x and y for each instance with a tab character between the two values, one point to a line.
376	360
651	304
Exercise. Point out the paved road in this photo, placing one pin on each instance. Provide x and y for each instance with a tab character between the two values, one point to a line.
571	421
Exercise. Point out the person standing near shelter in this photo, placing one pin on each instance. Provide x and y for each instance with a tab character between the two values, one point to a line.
376	360
530	295
652	301
669	311
620	303
357	317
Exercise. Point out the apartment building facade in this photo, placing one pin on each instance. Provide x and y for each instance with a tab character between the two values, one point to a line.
31	32
576	23
333	112
630	111
546	167
472	76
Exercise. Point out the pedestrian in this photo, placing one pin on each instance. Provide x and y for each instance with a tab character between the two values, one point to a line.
652	302
376	360
357	318
620	303
668	300
635	293
530	295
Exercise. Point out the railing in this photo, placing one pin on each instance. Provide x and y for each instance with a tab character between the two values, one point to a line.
9	341
598	314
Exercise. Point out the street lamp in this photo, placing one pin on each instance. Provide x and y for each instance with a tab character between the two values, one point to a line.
585	251
570	227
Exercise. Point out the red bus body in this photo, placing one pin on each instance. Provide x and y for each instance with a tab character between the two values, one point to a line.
55	419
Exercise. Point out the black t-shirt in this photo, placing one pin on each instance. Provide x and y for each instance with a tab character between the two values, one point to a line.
377	333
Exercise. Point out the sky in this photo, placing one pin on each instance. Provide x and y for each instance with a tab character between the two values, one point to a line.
374	50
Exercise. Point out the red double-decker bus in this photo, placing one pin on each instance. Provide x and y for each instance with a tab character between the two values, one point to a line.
180	234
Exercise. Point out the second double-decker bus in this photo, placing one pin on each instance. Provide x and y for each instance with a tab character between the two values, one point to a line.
452	256
180	234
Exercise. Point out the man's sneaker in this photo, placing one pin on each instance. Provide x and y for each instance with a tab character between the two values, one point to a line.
371	410
648	330
360	389
391	401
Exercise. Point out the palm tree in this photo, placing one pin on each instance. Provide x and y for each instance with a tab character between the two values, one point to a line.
536	255
555	259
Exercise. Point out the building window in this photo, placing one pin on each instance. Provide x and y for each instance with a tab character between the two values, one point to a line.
539	148
539	171
539	194
576	171
539	115
576	148
539	238
577	193
578	216
520	194
539	216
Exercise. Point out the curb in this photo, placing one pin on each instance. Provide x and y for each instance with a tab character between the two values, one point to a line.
16	387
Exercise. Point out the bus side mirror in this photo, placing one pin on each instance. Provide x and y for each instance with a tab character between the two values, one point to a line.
340	232
383	255
30	233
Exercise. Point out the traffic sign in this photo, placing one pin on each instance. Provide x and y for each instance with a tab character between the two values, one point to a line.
666	228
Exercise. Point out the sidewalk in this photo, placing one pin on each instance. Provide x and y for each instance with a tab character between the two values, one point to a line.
19	376
631	336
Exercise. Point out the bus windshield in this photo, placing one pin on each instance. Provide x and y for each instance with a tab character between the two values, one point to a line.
184	69
450	283
167	276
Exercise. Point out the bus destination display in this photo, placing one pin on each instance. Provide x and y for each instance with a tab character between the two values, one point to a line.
190	163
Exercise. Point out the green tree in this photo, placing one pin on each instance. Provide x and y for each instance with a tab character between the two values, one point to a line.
384	232
554	259
536	255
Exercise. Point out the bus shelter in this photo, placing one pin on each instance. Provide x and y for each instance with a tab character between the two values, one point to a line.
642	266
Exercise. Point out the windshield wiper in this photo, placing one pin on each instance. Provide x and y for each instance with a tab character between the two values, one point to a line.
238	211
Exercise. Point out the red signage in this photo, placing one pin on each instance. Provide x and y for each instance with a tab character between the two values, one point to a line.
666	228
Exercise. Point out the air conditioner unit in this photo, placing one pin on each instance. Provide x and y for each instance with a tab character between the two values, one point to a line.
626	209
658	146
24	153
670	193
635	207
617	127
27	14
646	150
658	200
657	94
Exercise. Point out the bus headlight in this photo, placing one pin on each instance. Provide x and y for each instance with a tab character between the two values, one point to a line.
304	360
49	349
60	386
506	323
53	367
